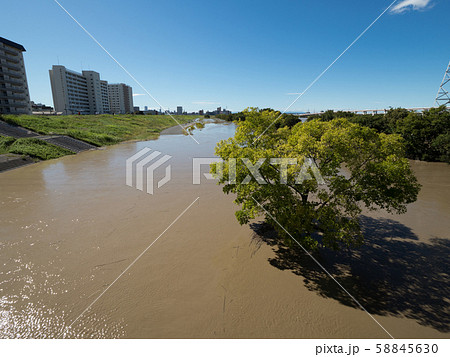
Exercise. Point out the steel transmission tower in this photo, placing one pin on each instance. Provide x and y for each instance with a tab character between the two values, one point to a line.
443	97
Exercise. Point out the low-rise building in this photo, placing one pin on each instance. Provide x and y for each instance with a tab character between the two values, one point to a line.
39	108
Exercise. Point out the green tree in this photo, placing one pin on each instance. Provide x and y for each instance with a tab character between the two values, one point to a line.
379	122
442	146
426	134
393	116
289	120
361	168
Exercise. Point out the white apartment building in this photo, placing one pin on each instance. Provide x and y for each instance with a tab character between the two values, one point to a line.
74	92
14	94
120	98
69	90
105	98
98	97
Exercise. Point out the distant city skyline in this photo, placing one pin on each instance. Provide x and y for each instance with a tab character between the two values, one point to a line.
236	55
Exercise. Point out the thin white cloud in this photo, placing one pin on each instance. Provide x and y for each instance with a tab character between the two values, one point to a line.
406	5
137	94
205	102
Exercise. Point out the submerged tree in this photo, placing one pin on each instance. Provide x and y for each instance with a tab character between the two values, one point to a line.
360	168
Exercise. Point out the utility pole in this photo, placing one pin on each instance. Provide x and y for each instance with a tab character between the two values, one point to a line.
443	97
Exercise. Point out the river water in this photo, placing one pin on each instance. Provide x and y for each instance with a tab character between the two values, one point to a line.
69	227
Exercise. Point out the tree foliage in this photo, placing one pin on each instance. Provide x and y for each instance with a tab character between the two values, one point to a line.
361	168
427	135
283	119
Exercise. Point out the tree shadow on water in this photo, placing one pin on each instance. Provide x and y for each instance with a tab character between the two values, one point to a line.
391	274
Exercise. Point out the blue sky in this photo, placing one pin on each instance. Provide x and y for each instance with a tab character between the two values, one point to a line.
235	54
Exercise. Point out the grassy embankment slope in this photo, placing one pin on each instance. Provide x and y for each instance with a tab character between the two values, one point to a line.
99	130
37	149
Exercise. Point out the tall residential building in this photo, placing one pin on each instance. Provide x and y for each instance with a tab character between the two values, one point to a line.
74	92
69	90
120	98
105	97
179	110
98	96
14	94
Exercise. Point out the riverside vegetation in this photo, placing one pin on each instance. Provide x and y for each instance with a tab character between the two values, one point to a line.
361	167
99	130
426	135
35	148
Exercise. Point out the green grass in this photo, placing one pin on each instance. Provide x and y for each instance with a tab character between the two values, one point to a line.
190	128
100	130
37	149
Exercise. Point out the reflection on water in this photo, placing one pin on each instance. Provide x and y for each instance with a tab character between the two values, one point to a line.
27	287
55	219
69	227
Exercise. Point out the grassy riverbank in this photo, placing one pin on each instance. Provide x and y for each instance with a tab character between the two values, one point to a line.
100	130
36	149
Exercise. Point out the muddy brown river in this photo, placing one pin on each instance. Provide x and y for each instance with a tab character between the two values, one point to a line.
69	227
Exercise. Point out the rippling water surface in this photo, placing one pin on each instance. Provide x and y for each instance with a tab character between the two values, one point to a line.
61	234
69	227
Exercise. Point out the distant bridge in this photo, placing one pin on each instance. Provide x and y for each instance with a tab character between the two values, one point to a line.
362	111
